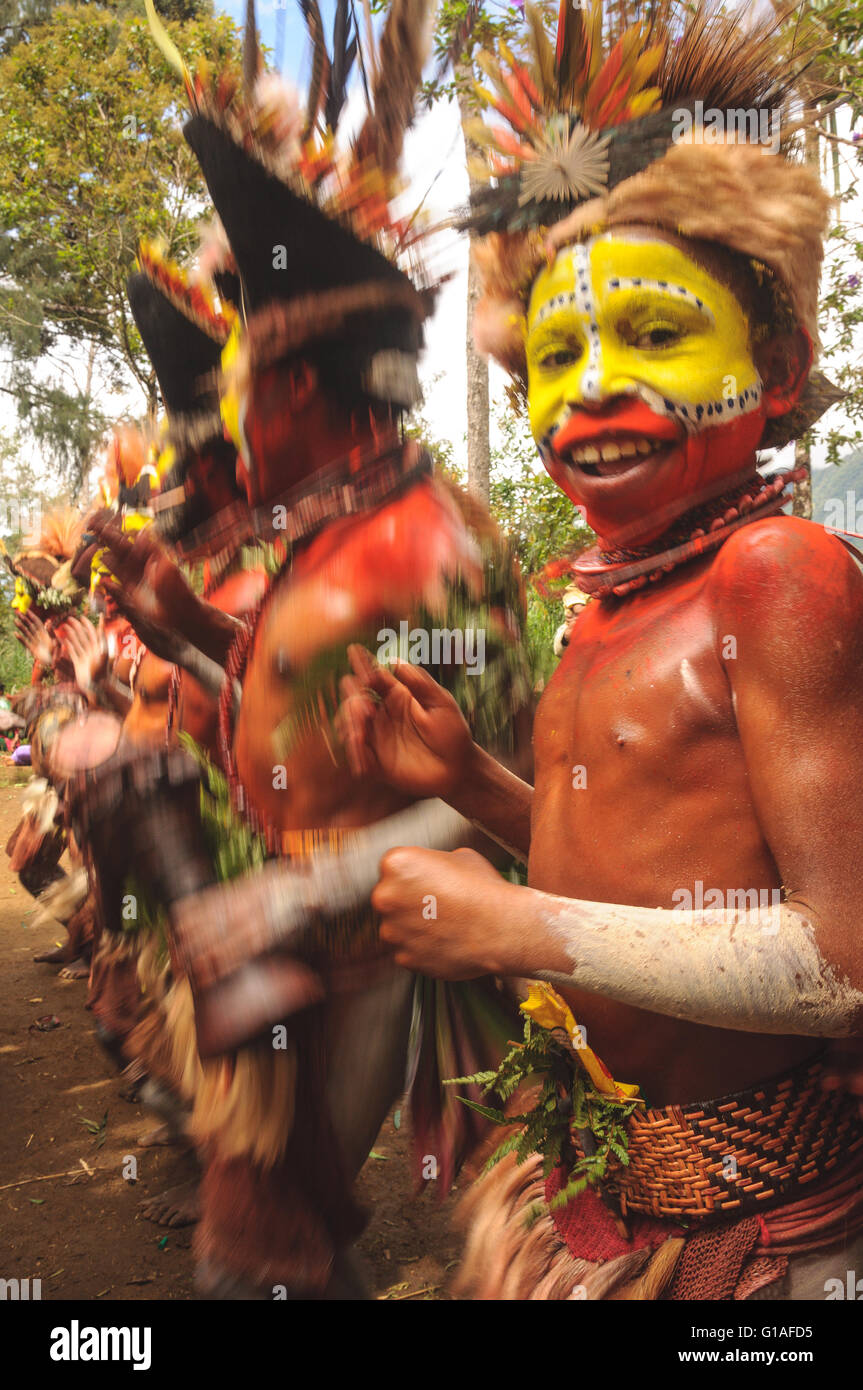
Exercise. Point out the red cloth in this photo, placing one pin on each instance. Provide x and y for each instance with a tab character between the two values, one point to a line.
588	1229
730	1260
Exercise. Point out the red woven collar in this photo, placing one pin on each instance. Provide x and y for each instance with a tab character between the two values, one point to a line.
702	530
355	483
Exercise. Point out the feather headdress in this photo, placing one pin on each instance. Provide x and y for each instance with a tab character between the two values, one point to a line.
601	106
193	297
184	326
313	227
609	126
43	564
297	143
183	330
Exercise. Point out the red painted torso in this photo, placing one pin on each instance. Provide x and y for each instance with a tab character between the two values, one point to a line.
642	703
375	568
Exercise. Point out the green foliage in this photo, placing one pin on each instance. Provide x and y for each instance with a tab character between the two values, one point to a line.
462	28
15	662
568	1106
22	500
91	159
542	524
234	847
834	79
841	315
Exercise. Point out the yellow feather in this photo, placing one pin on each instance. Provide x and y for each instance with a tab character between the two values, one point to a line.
593	28
643	103
543	54
478	170
166	45
476	130
646	66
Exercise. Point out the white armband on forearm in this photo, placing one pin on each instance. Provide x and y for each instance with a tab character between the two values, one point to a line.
757	971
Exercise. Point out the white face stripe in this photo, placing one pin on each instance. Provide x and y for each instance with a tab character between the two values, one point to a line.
580	298
693	415
592	375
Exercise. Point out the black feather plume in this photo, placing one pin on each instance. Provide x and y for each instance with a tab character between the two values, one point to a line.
344	53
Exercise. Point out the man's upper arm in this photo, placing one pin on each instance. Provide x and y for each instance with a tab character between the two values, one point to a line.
792	598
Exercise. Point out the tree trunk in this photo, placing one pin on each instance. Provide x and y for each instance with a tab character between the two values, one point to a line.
802	502
152	400
478	442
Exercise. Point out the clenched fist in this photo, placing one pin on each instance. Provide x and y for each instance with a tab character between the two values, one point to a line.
449	915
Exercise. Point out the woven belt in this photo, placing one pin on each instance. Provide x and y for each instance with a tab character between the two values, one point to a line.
739	1154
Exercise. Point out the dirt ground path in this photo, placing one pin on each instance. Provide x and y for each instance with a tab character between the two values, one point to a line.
68	1215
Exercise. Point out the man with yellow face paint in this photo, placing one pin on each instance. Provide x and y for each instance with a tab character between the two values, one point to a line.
693	888
641	380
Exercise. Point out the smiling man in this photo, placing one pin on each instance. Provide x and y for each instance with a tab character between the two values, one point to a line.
693	739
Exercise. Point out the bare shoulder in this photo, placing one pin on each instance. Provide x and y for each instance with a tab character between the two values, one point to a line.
792	596
409	544
786	565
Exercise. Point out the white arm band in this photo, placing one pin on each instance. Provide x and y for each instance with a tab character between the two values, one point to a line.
757	971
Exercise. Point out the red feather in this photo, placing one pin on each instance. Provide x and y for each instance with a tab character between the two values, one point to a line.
604	80
562	16
524	78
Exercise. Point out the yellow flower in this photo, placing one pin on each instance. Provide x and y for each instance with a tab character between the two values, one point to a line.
546	1007
22	600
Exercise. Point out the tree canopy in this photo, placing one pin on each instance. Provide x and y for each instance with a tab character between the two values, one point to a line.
91	158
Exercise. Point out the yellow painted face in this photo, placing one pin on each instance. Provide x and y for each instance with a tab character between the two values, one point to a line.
643	393
22	599
636	317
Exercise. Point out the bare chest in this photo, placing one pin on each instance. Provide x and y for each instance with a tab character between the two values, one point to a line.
638	762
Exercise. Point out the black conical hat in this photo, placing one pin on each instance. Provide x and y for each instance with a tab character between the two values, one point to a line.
184	357
260	213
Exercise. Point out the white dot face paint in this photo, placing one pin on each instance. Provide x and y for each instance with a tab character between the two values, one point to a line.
638	317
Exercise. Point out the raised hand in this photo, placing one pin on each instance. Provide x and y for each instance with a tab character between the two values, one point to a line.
33	634
398	725
148	587
87	651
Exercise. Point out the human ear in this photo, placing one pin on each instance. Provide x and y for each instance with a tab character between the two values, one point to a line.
302	384
784	361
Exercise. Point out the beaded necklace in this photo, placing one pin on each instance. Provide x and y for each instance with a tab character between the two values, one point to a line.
602	572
